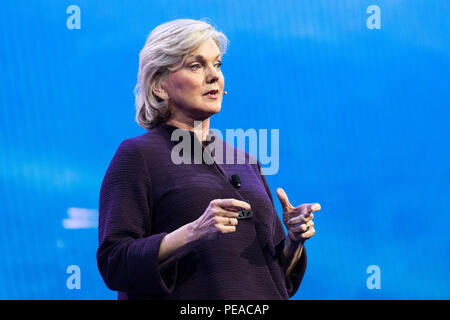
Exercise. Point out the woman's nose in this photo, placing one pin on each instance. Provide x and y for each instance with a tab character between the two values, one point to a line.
212	75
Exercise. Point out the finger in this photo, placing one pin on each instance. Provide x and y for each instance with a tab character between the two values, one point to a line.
309	217
307	208
301	218
310	224
282	196
226	229
300	228
226	213
220	212
308	234
232	204
315	207
296	221
226	221
303	228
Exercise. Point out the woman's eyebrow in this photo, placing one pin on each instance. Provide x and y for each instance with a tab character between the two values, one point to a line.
200	57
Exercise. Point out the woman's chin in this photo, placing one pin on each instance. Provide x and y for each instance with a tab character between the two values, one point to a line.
208	111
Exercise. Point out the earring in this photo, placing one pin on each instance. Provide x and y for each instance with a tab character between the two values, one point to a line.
225	92
164	95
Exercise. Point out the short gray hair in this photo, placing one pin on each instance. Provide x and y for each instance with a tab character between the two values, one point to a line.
165	51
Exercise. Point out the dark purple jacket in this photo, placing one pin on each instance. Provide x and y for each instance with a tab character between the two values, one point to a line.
144	196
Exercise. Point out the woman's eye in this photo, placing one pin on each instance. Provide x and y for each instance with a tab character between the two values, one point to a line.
197	66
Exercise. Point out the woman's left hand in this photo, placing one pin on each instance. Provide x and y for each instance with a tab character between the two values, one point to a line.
298	220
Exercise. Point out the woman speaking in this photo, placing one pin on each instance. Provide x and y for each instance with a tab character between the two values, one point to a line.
170	230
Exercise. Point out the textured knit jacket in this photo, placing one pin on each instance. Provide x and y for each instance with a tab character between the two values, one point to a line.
145	195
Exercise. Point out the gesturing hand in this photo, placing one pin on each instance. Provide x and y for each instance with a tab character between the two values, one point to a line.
298	220
220	217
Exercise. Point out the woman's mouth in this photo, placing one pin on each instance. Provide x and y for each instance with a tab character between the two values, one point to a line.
213	94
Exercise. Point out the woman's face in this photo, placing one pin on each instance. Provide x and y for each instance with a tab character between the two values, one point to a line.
188	87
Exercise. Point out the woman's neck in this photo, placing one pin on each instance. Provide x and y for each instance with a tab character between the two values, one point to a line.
199	127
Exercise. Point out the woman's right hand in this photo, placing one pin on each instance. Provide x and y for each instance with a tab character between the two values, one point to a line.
220	217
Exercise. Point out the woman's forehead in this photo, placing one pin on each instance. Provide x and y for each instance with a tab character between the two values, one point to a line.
207	50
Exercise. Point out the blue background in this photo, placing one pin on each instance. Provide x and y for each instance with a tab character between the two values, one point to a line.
363	118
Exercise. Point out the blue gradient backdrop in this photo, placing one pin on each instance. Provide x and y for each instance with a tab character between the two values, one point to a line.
363	118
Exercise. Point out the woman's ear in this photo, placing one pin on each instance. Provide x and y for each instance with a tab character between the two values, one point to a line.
159	92
158	89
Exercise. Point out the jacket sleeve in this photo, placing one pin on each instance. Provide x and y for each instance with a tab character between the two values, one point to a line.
127	256
294	279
